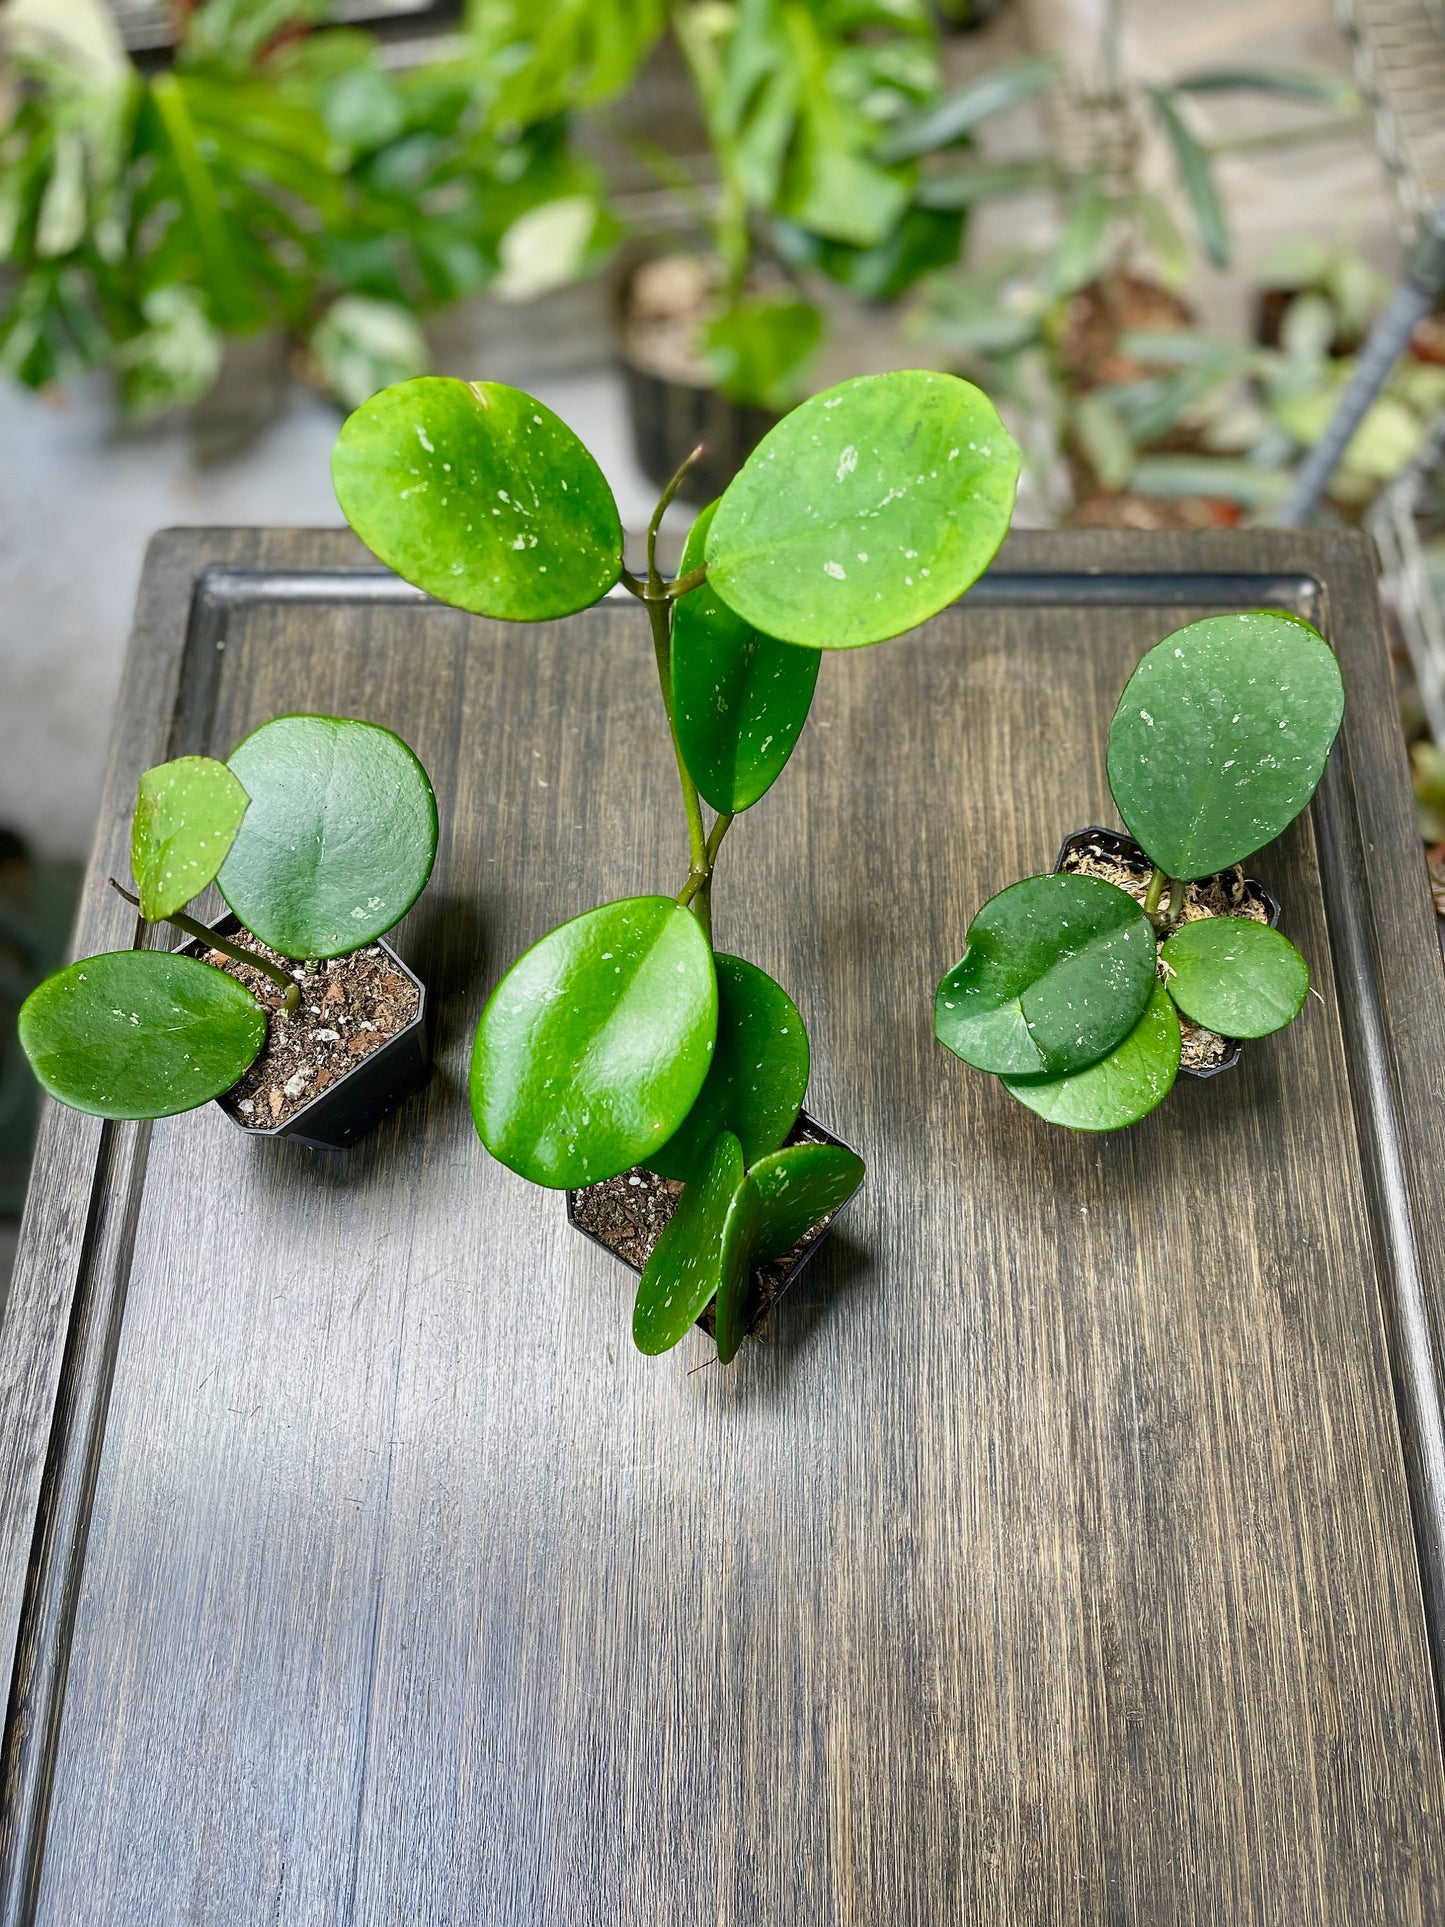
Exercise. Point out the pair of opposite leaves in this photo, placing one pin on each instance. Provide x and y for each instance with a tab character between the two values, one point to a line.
1218	743
320	832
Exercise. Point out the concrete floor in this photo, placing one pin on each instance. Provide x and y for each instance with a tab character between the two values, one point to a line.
80	495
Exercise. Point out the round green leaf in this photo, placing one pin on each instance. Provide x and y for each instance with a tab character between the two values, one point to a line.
1236	976
796	1187
140	1033
593	1048
1122	1087
739	699
759	1073
187	814
340	837
704	1252
481	496
1058	969
865	511
1220	738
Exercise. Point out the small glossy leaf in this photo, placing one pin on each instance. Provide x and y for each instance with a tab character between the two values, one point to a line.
1236	976
592	1049
740	699
187	814
759	1073
865	511
481	496
1122	1087
796	1187
140	1033
340	837
705	1248
1057	970
1221	736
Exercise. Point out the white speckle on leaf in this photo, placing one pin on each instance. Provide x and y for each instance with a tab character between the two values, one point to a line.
847	462
836	570
422	437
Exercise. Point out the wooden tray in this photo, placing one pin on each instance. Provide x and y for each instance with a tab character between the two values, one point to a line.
1069	1550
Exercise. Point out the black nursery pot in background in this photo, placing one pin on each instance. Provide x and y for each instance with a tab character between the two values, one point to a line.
670	419
362	1096
770	1280
1124	850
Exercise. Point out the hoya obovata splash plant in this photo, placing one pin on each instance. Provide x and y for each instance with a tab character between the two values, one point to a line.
620	1039
1071	987
320	833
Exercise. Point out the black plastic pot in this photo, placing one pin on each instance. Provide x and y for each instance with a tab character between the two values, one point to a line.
769	1282
360	1098
1115	844
670	418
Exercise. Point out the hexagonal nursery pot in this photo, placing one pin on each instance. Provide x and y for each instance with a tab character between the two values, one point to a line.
770	1280
363	1095
1114	846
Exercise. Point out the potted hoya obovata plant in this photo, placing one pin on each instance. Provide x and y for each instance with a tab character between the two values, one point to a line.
320	833
622	1059
1088	990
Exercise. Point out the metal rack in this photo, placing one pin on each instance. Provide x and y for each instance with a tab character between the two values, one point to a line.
1399	54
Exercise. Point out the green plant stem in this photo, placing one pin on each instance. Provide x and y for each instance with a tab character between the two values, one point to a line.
659	614
1157	880
721	825
1176	898
236	951
659	596
664	501
681	584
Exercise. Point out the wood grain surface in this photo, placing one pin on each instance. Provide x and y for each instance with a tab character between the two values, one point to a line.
1051	1559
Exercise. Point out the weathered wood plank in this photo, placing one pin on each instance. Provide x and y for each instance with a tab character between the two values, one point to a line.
1051	1561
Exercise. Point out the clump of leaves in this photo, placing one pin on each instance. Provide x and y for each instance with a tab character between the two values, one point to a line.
1067	989
621	1037
818	118
320	833
276	177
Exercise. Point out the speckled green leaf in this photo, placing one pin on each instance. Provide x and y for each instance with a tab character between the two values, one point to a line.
593	1048
1220	738
865	511
187	814
759	1073
796	1187
1058	969
481	496
740	699
1122	1087
340	837
1235	976
140	1033
704	1251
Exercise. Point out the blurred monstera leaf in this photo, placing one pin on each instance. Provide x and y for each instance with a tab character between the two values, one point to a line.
173	359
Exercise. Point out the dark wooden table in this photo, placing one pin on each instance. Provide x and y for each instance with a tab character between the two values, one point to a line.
1068	1551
